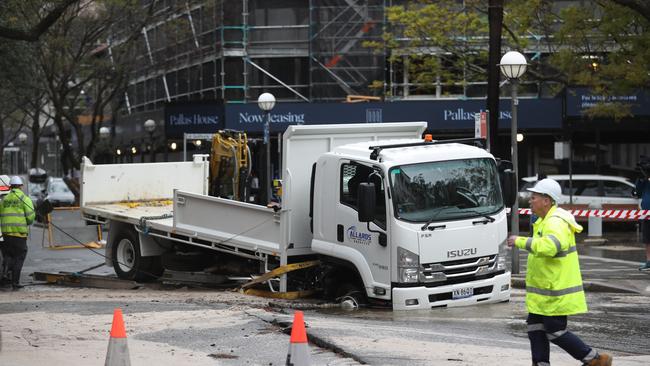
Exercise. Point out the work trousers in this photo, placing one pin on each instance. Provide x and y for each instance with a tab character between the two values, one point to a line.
543	329
14	251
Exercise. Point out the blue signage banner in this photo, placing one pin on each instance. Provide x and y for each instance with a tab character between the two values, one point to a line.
440	115
578	100
193	118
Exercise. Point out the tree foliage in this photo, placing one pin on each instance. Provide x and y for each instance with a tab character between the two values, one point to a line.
600	44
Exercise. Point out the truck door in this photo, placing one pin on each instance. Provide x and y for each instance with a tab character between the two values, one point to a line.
355	234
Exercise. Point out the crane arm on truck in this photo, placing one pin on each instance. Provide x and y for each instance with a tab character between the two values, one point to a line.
230	165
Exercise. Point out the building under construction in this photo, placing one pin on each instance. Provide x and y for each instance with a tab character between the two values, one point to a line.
225	53
231	50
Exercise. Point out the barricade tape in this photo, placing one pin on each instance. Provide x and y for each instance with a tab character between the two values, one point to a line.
605	214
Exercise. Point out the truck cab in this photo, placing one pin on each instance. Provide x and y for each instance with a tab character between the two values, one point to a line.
421	224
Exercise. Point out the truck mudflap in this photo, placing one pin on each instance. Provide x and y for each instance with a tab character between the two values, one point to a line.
491	290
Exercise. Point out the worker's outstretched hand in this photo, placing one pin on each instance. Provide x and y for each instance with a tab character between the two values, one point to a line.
511	240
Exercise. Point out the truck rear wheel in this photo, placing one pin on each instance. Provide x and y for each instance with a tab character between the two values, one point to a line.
128	262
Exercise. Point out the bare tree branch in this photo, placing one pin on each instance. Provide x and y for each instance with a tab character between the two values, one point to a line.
33	34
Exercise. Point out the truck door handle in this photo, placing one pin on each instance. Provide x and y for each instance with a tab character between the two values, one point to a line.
339	233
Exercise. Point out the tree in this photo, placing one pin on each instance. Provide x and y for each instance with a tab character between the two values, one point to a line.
16	82
601	44
640	6
12	23
85	60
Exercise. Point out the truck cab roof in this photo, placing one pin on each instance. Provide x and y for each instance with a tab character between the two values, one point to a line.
412	154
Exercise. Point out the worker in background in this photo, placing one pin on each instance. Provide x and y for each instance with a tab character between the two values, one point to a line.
16	214
553	280
643	192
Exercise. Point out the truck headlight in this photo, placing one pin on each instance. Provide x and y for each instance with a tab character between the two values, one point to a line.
503	256
408	266
409	275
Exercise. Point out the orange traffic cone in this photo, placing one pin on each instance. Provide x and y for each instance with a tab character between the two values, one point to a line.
298	348
118	350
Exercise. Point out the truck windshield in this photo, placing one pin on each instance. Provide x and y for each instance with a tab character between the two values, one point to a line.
436	191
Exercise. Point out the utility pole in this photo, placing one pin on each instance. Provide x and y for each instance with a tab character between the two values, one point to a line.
495	19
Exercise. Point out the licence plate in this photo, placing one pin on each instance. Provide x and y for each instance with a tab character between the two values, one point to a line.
461	293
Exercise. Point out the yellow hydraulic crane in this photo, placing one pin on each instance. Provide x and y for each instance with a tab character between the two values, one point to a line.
230	165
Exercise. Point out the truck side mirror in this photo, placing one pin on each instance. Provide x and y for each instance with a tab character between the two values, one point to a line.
366	202
508	187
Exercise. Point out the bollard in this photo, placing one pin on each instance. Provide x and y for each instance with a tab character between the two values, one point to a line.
595	222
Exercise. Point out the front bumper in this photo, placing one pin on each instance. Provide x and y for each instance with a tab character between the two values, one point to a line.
428	297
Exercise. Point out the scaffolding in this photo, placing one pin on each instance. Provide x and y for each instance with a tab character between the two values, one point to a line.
234	50
340	64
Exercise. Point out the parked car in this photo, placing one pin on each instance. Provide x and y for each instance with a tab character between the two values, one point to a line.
36	191
610	192
58	193
36	184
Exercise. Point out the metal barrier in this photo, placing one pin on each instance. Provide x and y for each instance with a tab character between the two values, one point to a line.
66	230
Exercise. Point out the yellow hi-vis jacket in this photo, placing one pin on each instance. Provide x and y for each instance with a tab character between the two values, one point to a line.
16	213
553	280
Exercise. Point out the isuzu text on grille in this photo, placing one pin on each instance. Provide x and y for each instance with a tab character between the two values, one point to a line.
461	252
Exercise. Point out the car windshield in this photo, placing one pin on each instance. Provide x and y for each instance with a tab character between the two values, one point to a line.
35	188
58	186
445	190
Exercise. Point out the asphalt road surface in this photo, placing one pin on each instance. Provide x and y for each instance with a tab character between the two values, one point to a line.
54	325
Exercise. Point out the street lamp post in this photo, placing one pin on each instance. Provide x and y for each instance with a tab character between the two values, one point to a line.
513	66
22	139
104	134
150	127
266	102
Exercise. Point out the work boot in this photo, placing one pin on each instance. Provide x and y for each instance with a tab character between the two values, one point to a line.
602	359
645	267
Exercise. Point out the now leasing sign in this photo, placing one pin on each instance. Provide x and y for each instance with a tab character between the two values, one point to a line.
439	114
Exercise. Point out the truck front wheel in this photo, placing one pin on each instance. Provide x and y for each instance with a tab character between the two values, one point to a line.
129	264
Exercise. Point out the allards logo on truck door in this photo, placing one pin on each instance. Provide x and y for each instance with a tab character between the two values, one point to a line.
358	237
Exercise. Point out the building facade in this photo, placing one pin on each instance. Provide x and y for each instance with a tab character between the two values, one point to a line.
214	57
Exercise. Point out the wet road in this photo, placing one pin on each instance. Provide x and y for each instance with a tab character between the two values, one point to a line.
198	324
616	323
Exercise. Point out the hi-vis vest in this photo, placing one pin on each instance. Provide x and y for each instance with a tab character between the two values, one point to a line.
553	280
16	213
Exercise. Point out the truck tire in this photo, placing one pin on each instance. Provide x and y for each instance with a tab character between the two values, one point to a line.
352	291
186	262
129	264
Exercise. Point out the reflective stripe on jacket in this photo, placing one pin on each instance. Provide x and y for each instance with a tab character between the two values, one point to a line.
553	279
16	213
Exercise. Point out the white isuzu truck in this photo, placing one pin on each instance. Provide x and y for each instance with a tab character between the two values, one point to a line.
400	220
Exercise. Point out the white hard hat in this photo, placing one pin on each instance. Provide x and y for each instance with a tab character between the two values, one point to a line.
548	187
16	181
